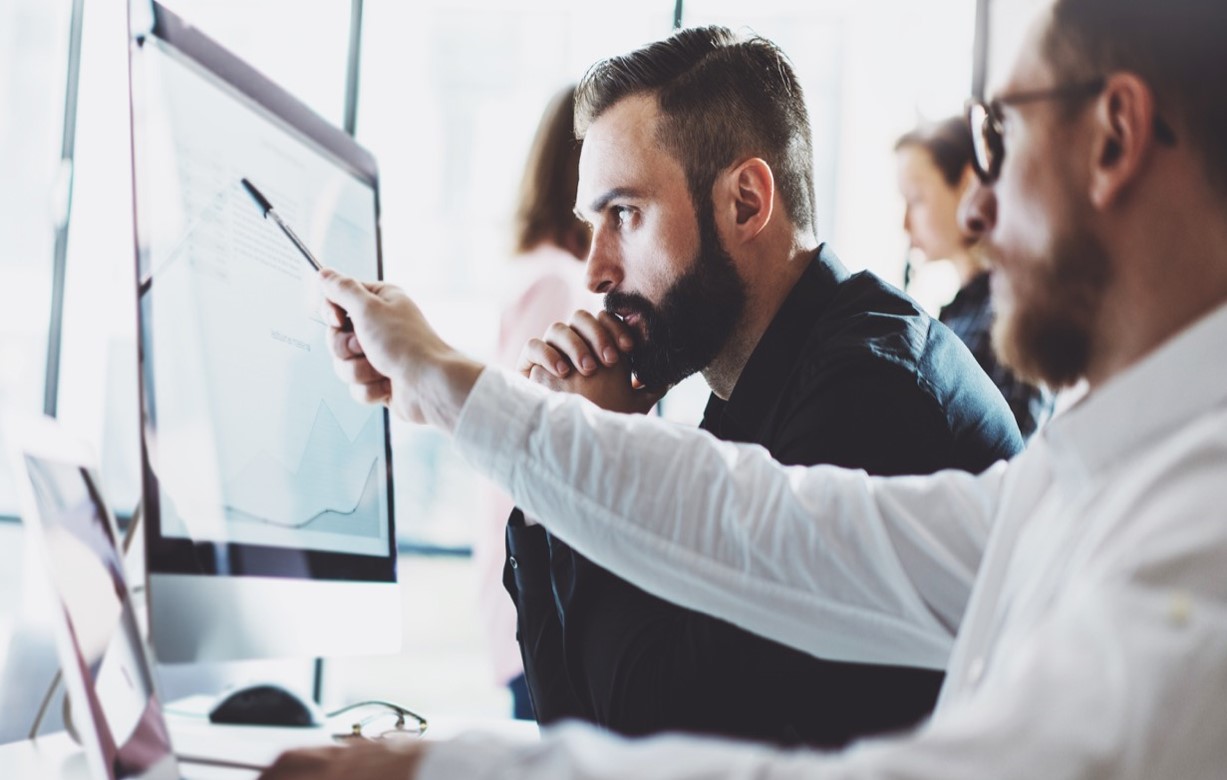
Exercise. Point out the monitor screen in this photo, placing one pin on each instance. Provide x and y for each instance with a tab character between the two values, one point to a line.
257	460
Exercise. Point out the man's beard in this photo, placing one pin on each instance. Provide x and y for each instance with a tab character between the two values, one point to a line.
694	320
1047	334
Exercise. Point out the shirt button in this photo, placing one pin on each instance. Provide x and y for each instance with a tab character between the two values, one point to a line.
1179	608
975	670
514	563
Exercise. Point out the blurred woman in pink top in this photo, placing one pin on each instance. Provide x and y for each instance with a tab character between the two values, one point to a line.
550	246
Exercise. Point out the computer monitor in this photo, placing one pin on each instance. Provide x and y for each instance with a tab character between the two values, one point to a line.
267	493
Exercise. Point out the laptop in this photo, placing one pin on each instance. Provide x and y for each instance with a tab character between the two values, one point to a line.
116	713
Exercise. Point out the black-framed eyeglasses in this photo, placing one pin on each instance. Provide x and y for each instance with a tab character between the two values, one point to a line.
986	122
370	726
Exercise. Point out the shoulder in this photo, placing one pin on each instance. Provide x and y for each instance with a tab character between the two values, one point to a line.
874	333
872	323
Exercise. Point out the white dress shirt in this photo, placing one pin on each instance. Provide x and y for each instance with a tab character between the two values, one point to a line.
1077	595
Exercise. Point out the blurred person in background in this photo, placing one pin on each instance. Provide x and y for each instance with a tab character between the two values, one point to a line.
547	284
934	170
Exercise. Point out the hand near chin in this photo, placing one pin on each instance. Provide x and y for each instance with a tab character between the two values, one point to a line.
358	761
588	357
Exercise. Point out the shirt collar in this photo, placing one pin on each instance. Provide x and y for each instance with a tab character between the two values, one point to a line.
775	357
1178	381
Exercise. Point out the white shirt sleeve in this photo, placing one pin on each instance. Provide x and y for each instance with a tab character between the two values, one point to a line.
826	560
1118	671
1124	681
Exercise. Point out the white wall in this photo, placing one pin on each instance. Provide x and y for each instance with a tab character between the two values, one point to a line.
1008	22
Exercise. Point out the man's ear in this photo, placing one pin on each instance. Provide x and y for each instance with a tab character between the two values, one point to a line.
749	198
1124	126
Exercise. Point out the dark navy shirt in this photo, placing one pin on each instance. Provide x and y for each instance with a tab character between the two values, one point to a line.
850	372
970	316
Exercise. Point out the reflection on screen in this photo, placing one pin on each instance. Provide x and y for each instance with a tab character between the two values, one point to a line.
88	578
253	439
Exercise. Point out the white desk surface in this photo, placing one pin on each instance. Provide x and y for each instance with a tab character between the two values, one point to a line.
57	757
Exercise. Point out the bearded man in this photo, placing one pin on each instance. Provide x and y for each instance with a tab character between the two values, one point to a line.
696	180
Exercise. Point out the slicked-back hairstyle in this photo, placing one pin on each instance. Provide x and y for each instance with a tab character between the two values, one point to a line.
546	211
948	143
723	98
1178	47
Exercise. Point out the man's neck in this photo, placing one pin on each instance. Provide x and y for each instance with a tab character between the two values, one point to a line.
765	295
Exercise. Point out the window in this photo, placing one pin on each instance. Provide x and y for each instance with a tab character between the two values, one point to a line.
33	68
98	371
871	70
450	98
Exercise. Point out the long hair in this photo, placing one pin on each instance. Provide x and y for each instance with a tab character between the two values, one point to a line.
546	211
948	143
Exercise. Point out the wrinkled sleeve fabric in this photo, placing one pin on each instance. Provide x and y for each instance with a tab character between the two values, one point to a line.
1079	700
825	560
1119	675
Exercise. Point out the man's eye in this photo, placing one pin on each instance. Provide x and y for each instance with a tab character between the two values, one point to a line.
622	215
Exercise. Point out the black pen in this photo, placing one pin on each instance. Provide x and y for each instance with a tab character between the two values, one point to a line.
271	213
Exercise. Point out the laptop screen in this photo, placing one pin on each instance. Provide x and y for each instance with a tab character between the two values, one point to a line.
104	659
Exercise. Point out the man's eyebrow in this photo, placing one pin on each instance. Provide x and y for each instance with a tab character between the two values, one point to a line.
604	200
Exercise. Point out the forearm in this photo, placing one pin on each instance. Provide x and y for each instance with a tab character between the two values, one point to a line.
825	560
440	387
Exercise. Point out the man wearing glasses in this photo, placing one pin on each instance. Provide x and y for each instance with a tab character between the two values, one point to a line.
1079	587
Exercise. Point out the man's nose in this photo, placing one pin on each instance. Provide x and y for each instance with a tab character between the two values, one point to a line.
978	211
604	268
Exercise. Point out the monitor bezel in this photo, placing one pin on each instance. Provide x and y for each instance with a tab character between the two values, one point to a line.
168	555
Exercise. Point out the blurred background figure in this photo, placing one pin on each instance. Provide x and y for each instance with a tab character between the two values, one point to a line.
934	170
547	286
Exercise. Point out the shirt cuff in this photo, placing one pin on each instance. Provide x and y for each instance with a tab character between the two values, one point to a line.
471	756
495	423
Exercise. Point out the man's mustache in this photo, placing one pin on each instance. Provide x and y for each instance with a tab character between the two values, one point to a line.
621	304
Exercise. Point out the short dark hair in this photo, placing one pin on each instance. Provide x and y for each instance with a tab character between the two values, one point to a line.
722	97
948	143
546	209
1178	47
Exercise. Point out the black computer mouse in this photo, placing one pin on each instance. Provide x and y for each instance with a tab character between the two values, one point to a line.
264	705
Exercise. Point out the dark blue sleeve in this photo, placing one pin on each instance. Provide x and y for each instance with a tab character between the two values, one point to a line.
527	578
646	665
